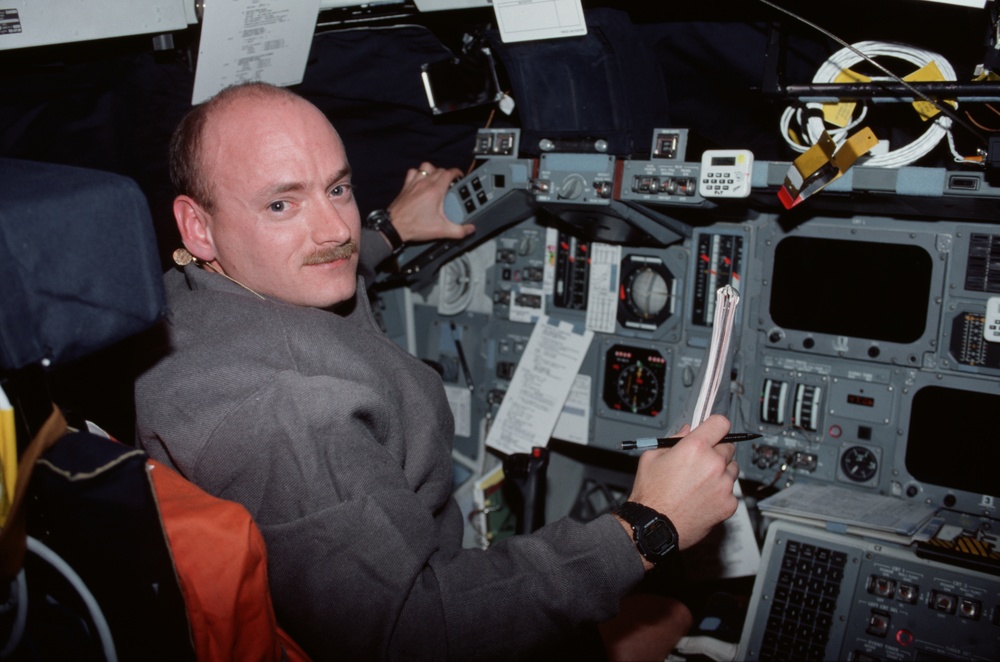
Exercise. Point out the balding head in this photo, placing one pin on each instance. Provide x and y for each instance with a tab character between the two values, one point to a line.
187	172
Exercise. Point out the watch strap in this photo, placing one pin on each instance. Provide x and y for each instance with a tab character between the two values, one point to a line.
654	534
380	221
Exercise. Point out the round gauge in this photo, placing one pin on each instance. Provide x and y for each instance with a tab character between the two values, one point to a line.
635	380
859	463
638	387
645	293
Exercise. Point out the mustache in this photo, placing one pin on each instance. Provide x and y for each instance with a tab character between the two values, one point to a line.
332	254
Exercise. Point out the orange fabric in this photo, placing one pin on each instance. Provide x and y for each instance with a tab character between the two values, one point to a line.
221	563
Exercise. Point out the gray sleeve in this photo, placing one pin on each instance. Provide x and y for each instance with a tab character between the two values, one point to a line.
364	564
373	251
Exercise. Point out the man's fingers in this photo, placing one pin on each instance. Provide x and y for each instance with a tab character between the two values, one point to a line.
727	449
712	429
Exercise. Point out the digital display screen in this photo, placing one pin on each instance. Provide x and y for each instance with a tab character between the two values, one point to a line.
952	441
858	289
723	160
863	400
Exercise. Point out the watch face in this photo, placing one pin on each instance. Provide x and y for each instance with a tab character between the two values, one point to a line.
658	538
375	220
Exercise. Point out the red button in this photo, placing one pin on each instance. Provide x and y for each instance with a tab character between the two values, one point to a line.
904	637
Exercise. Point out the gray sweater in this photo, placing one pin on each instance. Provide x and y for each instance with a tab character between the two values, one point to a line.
338	443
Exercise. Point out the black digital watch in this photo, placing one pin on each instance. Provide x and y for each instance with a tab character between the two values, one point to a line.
655	535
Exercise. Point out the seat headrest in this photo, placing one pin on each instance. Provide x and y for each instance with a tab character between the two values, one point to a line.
79	266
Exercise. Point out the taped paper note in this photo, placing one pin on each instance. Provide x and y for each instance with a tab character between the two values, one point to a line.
540	386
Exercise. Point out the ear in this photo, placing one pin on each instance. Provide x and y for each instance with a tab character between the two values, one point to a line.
192	221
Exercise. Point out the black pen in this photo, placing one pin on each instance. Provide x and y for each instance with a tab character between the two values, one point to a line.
461	358
648	443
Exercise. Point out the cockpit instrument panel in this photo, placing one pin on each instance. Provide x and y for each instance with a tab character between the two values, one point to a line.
862	346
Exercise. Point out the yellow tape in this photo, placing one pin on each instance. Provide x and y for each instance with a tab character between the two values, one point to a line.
821	164
806	165
8	457
927	73
840	113
858	144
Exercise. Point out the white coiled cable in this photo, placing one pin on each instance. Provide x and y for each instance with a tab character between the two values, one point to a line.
814	125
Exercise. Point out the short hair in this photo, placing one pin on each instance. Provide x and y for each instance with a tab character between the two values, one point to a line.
186	171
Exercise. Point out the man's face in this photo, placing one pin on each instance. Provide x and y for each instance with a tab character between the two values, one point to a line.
285	222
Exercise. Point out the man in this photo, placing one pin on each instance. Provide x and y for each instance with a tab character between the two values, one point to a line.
280	392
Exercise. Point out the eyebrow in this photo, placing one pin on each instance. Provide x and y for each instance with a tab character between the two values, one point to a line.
285	187
343	173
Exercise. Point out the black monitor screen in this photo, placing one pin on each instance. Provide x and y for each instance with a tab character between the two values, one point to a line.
952	441
859	289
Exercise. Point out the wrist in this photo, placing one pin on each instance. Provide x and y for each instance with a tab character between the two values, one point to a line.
654	534
380	221
647	565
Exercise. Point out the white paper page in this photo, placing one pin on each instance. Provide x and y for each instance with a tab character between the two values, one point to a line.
739	551
839	504
602	294
460	401
574	421
524	20
541	383
719	350
242	40
731	549
975	4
